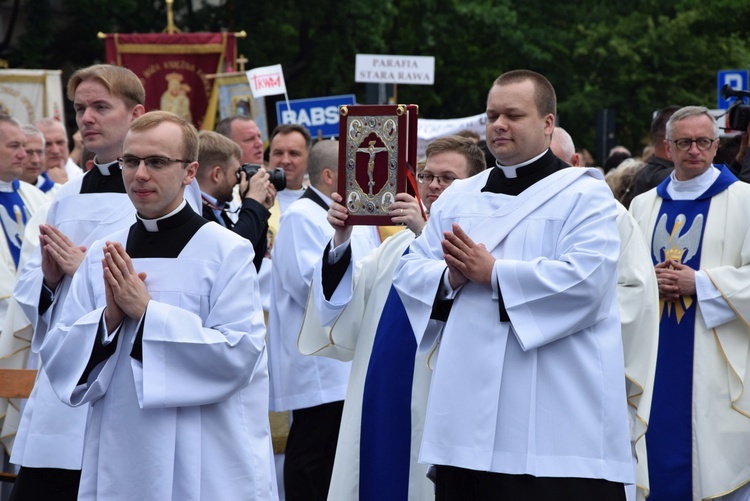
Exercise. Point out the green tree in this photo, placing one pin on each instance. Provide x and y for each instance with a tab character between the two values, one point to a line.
632	56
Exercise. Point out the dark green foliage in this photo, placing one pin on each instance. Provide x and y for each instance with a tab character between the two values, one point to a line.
633	56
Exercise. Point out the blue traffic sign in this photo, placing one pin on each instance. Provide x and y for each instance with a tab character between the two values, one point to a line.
736	79
320	115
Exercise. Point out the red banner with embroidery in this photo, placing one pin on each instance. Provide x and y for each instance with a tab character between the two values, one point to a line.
174	67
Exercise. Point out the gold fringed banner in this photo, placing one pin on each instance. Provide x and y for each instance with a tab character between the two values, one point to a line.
174	67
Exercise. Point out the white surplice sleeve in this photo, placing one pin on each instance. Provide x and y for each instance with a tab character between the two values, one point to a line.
550	298
299	246
189	360
66	349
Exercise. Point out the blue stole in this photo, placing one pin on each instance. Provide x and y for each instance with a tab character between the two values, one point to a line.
678	235
385	440
47	185
13	217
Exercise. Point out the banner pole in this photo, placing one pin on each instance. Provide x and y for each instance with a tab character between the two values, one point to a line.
286	98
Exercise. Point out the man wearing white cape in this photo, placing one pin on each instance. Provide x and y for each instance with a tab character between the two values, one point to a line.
638	297
527	399
697	222
381	428
163	334
49	443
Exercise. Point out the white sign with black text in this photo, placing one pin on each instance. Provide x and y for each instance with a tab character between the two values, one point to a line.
414	70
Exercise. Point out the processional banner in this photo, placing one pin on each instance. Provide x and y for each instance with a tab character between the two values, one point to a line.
174	68
28	95
232	96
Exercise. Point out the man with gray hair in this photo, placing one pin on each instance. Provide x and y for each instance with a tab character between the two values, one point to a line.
18	202
57	155
697	223
33	170
313	388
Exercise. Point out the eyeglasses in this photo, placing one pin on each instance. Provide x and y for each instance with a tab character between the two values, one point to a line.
153	162
428	178
684	144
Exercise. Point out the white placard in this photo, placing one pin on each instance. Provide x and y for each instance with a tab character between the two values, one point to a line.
413	70
266	81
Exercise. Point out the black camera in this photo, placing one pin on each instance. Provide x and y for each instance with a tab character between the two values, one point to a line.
738	115
276	176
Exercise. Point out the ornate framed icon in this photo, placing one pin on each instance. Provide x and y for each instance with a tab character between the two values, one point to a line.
377	157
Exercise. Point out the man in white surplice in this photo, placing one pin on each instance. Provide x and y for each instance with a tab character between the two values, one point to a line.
527	398
312	387
376	455
163	334
638	297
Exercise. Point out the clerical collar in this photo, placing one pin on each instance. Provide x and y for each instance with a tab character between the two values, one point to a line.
692	188
10	187
510	171
105	168
152	225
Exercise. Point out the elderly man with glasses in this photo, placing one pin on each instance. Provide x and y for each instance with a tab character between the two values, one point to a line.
698	224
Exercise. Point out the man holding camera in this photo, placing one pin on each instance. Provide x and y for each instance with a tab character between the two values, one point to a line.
220	169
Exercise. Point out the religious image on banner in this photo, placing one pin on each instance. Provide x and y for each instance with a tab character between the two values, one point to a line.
232	97
28	95
177	97
174	68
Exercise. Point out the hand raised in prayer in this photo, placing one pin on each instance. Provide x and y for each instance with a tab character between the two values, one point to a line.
406	210
58	174
60	256
471	260
674	280
337	216
126	293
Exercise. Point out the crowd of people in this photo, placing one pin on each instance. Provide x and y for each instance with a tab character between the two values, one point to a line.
526	328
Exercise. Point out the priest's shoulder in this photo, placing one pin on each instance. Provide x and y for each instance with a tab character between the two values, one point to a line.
743	188
32	194
470	184
302	206
72	187
212	233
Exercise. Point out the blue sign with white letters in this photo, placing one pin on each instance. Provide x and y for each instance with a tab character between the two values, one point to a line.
319	115
736	79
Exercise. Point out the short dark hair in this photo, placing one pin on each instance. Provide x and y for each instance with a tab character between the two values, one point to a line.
288	129
659	123
544	94
473	154
215	149
224	127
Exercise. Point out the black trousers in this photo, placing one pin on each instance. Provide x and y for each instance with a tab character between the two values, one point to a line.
310	451
35	484
458	484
